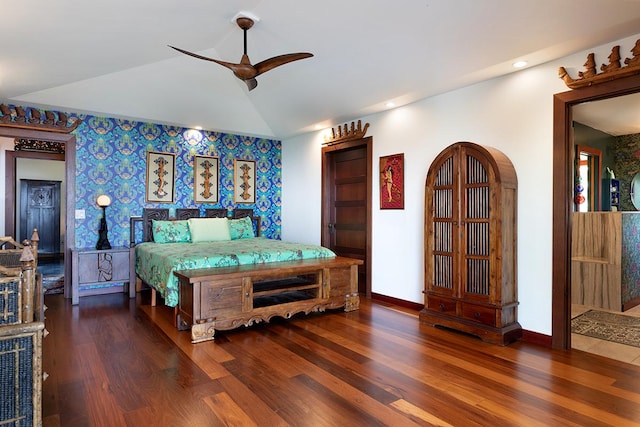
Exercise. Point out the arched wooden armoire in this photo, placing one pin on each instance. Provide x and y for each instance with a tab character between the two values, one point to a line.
470	243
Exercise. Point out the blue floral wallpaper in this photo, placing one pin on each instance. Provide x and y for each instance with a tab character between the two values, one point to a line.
111	159
626	149
630	261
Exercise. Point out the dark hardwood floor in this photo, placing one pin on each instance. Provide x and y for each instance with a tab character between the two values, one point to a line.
109	364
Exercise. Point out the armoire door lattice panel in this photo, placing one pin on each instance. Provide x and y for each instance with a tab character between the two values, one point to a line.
470	243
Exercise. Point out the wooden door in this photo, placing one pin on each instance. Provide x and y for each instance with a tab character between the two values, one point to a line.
40	208
347	205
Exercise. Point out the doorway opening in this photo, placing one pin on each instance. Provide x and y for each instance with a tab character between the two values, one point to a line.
563	203
588	182
67	207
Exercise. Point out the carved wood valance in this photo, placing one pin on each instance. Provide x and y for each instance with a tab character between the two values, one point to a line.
344	133
24	144
32	119
611	71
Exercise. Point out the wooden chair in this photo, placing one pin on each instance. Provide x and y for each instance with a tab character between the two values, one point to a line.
22	331
20	285
10	257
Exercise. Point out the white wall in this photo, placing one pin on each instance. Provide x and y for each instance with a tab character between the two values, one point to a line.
513	114
302	175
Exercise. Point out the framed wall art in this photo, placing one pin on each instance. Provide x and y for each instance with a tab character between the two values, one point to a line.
244	181
205	179
392	182
161	168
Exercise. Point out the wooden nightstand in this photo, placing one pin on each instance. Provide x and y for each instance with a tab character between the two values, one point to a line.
99	267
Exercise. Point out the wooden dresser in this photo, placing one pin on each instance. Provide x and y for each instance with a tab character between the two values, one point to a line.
470	243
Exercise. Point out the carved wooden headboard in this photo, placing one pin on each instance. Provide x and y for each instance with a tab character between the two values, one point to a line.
162	214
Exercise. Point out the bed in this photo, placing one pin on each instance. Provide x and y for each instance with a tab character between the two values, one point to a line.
216	281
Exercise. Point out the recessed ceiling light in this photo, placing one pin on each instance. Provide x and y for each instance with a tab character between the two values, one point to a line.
389	104
198	128
519	64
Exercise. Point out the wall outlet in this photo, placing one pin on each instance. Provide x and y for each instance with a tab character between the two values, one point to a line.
80	214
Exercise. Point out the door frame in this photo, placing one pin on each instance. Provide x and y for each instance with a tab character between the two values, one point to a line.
69	141
367	143
563	161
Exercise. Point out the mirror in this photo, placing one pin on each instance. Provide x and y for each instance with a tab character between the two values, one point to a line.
635	191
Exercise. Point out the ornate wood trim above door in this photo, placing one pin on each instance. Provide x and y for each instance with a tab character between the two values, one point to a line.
32	119
342	134
611	71
25	144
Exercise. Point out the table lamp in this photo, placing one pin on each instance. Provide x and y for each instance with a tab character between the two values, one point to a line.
103	241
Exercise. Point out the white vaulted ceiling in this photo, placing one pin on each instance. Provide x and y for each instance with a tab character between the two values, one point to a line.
111	58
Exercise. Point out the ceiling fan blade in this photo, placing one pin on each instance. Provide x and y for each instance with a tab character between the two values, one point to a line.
276	61
229	65
251	84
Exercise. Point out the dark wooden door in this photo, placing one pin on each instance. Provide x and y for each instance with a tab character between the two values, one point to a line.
40	208
346	205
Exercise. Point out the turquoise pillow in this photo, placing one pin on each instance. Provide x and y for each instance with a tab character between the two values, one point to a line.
209	229
171	231
241	228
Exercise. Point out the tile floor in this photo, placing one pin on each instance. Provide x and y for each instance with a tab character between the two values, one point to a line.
608	349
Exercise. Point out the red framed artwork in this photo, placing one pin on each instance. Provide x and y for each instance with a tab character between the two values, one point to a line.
392	182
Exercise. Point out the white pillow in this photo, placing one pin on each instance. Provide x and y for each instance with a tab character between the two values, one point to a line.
209	229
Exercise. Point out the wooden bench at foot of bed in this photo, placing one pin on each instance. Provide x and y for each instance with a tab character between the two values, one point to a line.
225	298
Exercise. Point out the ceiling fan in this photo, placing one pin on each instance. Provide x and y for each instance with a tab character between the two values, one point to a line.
245	71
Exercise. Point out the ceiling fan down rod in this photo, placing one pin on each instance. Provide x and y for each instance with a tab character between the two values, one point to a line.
245	23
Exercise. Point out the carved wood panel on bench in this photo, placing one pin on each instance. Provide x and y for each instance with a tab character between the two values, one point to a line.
226	298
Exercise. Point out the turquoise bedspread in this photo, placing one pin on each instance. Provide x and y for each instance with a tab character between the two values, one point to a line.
156	262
